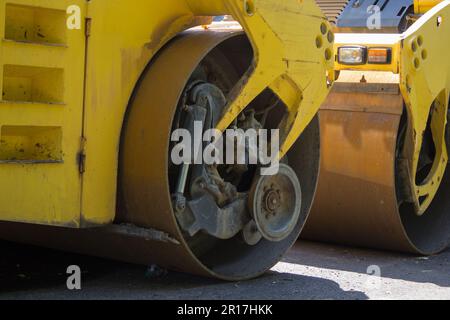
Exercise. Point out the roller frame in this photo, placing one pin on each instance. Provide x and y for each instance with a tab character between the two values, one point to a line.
421	87
279	63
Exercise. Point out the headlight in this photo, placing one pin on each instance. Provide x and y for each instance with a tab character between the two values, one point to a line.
354	55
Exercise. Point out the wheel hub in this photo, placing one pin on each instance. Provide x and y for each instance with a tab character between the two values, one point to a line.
272	200
275	202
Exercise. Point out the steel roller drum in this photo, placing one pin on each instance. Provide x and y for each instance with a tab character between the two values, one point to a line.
356	201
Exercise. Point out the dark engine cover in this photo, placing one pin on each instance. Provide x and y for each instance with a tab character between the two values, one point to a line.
356	16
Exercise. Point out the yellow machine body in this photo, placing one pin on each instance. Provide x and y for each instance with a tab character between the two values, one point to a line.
422	6
66	91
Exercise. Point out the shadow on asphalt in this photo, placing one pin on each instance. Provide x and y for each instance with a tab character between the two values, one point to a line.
28	272
433	269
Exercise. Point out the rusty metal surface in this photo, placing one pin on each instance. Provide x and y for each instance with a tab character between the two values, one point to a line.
145	151
144	171
356	202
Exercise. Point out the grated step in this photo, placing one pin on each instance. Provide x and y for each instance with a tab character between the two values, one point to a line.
332	8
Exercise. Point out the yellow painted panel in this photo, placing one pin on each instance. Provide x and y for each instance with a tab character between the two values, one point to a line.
41	76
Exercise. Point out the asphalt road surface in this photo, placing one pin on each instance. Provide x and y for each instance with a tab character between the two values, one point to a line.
309	271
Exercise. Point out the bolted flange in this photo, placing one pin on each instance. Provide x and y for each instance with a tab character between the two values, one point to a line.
275	203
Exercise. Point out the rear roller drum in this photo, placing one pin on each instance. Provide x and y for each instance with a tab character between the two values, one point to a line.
361	194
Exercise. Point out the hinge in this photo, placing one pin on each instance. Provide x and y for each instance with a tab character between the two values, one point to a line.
82	156
88	27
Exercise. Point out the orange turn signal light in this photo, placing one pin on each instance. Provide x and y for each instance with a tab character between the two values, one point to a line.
379	55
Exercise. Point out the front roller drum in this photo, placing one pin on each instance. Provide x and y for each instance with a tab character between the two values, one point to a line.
358	199
191	81
173	216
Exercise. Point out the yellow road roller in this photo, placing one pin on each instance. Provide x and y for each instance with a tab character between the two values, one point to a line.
92	93
384	180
